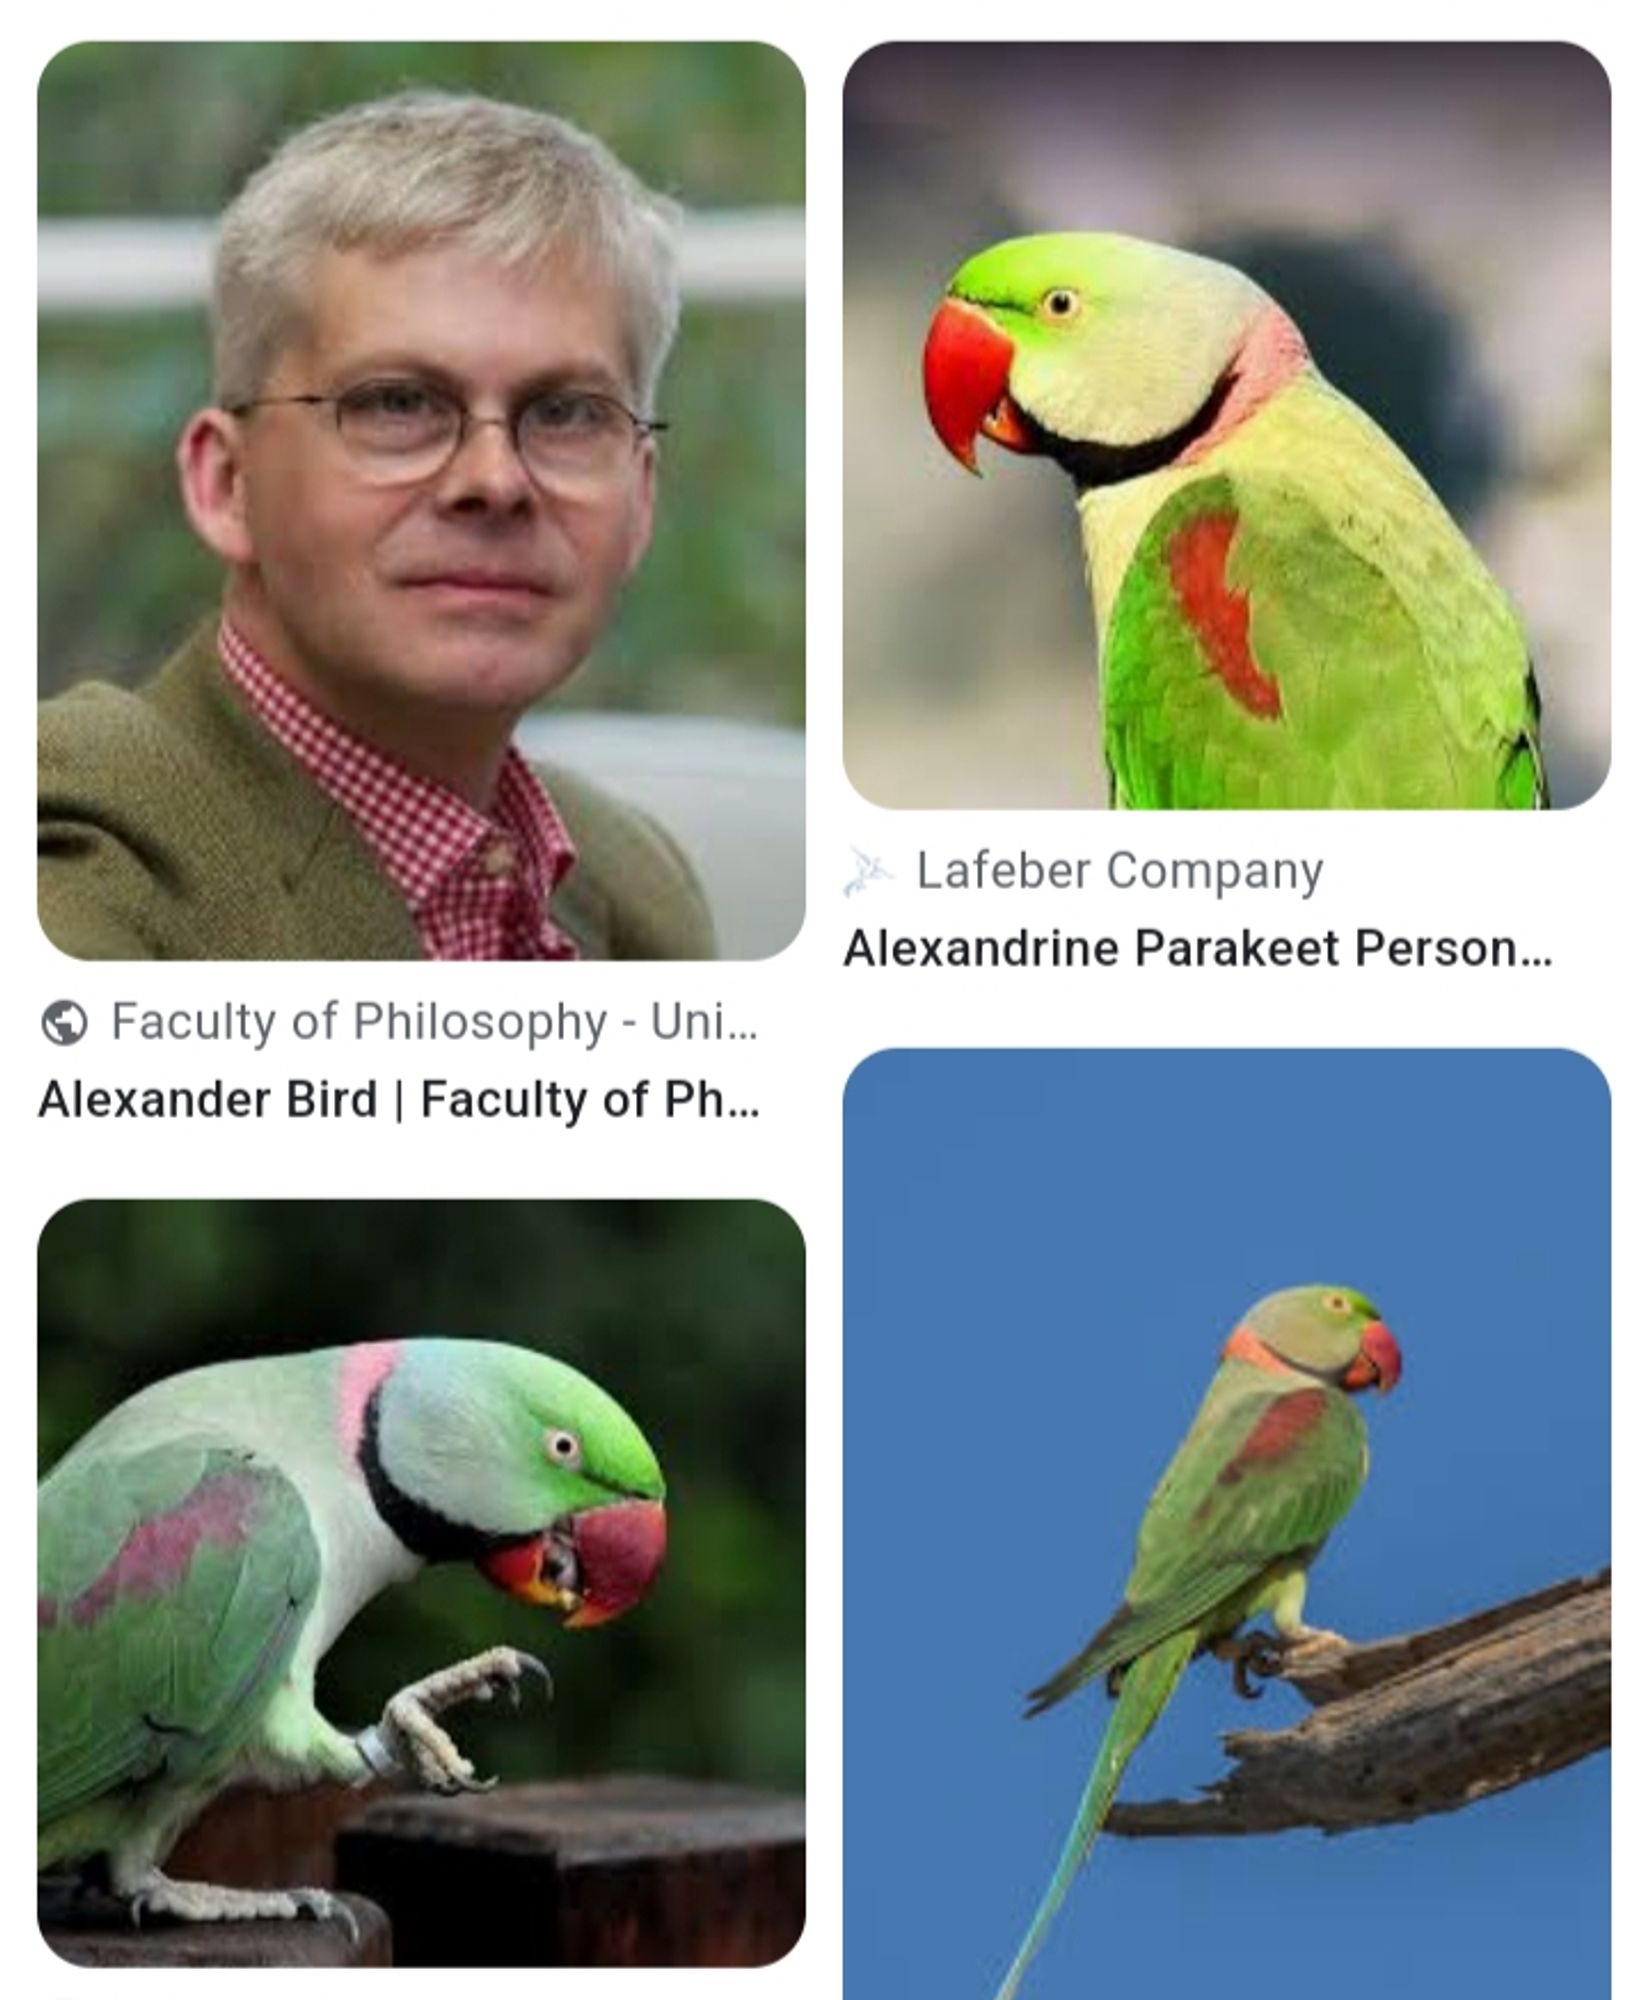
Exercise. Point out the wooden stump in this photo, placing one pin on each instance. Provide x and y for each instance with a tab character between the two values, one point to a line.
1421	1723
100	1932
606	1871
252	1839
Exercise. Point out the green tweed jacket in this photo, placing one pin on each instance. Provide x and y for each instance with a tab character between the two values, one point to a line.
173	825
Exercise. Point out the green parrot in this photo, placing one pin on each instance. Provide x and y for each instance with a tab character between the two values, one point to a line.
1271	1463
1287	616
203	1545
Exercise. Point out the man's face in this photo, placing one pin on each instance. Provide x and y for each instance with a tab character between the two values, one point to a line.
473	588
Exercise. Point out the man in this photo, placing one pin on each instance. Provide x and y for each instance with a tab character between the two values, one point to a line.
430	466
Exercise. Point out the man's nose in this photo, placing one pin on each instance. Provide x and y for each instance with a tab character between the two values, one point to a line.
486	466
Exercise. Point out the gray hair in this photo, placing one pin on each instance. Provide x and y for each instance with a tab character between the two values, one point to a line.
425	168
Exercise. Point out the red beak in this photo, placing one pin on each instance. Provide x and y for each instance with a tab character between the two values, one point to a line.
594	1565
967	377
619	1552
1378	1363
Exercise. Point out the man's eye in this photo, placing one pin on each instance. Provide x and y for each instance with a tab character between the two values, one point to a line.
567	413
393	399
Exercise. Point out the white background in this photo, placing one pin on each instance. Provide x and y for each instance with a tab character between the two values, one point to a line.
1566	883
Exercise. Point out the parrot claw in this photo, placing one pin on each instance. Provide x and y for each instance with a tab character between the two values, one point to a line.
157	1895
1267	1654
414	1740
1258	1653
530	1664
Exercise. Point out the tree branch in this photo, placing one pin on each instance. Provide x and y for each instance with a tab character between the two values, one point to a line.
1419	1724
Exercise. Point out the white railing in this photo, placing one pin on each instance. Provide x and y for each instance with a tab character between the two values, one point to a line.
100	264
731	793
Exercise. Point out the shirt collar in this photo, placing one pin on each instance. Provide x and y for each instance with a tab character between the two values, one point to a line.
420	830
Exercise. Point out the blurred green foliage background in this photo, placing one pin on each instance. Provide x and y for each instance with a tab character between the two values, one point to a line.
690	1313
714	623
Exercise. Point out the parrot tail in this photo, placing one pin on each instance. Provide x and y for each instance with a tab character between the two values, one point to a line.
1147	1687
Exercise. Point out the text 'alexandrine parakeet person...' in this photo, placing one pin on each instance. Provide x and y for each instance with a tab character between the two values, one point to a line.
1286	614
203	1545
1271	1463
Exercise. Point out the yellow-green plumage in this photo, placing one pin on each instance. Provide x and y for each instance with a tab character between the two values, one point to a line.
1401	669
1287	616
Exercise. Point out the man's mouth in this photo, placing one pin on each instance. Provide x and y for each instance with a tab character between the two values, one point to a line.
481	583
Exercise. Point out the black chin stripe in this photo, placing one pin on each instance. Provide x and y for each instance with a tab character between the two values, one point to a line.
1090	464
423	1530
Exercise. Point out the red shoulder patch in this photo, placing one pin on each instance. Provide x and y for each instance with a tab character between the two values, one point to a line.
1276	1433
1197	556
157	1553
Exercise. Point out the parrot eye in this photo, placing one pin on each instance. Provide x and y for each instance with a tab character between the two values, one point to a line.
1060	303
1336	1302
563	1448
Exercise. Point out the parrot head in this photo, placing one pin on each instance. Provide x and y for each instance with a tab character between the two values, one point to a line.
1324	1330
1110	355
521	1465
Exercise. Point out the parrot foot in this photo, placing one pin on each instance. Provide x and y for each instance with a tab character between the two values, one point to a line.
1266	1654
157	1895
409	1739
1258	1653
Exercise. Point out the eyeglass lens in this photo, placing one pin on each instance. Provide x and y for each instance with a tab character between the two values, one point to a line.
405	430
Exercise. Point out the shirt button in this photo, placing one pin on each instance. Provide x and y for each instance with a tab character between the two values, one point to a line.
498	857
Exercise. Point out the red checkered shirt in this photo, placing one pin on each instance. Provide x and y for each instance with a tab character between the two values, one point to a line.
476	885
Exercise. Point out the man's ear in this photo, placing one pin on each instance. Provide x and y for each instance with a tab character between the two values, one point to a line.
645	507
210	469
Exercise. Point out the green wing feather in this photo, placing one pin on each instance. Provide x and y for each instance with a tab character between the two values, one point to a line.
1401	672
174	1584
1218	1522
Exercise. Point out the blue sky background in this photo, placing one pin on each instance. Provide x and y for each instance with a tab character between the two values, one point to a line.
1044	1252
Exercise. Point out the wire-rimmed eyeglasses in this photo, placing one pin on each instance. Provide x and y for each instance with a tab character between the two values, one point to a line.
399	430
